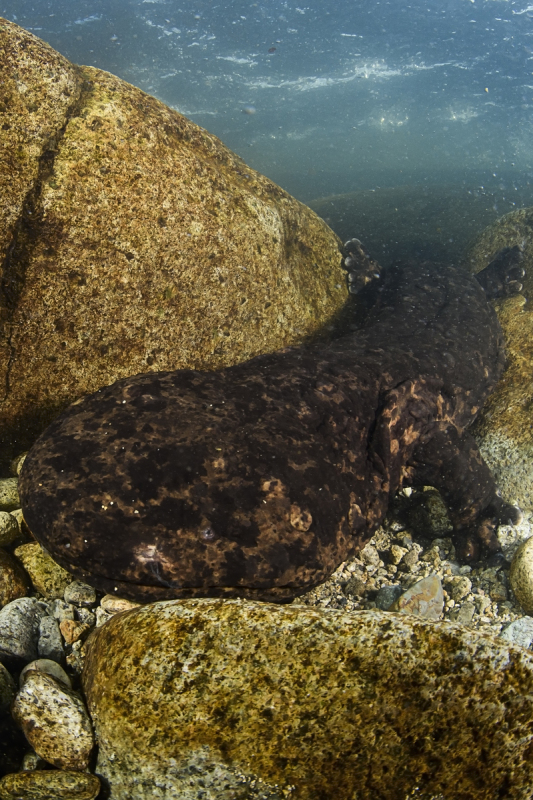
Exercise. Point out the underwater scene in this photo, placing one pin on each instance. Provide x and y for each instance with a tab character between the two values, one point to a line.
266	434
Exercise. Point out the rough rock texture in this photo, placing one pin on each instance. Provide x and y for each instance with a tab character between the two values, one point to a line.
251	700
521	575
49	785
134	240
260	479
505	427
47	577
19	630
14	582
54	721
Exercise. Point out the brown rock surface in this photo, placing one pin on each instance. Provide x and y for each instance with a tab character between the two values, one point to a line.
14	582
505	426
136	241
49	785
249	700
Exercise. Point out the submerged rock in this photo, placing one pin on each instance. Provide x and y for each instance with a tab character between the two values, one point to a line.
49	785
133	240
247	700
54	721
504	428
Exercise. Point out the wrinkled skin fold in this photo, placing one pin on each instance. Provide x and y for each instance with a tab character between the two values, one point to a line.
260	479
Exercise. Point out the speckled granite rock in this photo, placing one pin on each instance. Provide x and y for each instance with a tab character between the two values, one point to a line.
54	721
246	700
521	575
138	241
47	576
19	630
49	785
505	427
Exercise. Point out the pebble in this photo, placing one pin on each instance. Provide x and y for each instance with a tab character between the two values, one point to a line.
424	599
520	631
60	610
49	785
19	629
387	595
48	667
80	594
16	464
9	495
48	578
9	528
54	721
463	614
521	575
72	630
115	605
8	689
14	582
50	641
460	587
370	555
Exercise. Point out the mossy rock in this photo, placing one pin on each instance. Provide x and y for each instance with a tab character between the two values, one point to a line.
504	428
133	240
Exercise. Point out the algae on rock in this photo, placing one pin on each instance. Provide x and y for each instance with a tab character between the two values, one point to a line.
249	700
134	241
504	428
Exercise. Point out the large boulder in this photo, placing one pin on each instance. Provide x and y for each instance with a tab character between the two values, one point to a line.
132	240
234	700
504	429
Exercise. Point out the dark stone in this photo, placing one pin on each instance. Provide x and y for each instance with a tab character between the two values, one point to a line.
260	479
387	595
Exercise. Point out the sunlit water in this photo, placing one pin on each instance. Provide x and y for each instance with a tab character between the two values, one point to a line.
328	98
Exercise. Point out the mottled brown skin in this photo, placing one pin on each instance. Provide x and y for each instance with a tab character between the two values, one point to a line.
260	479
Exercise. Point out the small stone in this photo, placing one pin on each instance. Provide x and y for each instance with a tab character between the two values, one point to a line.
80	594
72	631
31	762
48	578
356	587
76	658
49	785
370	555
8	689
19	629
482	602
50	641
497	592
14	582
463	614
115	605
9	495
9	528
397	553
521	575
16	464
86	616
48	667
520	631
387	595
411	557
60	610
54	721
19	517
102	616
460	587
424	599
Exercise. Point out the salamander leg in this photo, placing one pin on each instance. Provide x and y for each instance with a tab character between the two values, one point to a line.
362	269
453	464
